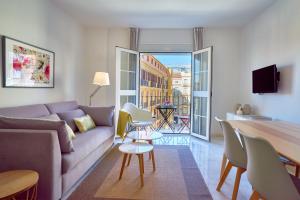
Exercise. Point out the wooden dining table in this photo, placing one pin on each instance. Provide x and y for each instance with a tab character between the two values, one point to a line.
284	136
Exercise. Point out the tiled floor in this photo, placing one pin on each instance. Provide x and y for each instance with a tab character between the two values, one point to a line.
208	156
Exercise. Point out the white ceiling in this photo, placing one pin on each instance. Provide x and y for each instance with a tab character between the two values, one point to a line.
163	13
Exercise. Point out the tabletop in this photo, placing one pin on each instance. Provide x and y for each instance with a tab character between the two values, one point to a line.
144	135
135	148
284	136
15	181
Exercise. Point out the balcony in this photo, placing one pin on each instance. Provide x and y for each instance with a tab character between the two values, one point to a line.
182	103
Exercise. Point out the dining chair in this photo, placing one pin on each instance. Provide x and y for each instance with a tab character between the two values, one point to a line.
266	173
235	154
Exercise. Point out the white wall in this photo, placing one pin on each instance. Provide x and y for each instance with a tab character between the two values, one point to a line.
100	45
40	23
226	63
166	40
274	38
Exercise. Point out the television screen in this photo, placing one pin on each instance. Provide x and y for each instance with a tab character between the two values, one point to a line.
265	80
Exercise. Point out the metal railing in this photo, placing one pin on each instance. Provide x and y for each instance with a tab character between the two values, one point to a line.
182	102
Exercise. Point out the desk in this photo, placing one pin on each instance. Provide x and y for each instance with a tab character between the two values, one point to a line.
284	136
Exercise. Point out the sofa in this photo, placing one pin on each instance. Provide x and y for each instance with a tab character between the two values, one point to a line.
40	150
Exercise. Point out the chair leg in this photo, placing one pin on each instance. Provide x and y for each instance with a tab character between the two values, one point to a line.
297	170
255	196
224	175
239	173
223	164
123	165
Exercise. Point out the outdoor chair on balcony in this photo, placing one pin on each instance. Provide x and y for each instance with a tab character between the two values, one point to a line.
141	119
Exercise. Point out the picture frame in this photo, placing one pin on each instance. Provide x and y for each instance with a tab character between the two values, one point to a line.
26	65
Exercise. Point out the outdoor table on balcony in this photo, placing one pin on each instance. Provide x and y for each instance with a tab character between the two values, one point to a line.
166	112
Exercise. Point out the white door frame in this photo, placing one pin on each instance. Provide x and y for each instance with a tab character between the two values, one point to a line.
118	90
207	93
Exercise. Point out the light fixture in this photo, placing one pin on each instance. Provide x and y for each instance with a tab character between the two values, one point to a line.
100	79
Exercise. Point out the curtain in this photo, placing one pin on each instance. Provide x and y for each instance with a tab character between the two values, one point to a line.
134	38
198	38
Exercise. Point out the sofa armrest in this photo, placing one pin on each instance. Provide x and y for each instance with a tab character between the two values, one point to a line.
37	150
103	116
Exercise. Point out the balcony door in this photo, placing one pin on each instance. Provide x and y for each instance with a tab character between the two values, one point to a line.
127	77
201	93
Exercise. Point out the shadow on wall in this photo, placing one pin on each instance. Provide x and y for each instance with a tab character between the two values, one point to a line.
286	79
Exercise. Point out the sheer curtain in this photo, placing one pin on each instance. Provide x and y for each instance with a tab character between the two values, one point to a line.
134	38
198	38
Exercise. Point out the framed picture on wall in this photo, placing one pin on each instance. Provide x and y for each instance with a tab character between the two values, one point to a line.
26	65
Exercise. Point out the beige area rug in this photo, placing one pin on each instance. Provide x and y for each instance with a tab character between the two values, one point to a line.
176	178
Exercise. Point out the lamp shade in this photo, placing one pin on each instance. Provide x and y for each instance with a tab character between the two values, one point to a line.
101	78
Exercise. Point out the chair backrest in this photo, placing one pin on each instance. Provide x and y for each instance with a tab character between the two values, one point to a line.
131	109
266	173
233	148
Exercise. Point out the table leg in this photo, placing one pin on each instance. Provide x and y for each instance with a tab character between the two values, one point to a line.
141	169
143	164
150	142
153	160
129	159
123	165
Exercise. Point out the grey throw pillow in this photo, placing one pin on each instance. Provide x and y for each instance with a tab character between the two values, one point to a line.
102	116
65	142
69	117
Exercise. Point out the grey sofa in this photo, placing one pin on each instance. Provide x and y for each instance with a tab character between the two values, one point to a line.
40	149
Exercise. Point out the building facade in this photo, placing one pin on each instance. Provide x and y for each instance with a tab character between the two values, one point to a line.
155	82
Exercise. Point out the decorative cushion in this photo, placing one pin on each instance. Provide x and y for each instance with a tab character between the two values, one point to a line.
84	123
65	143
55	117
69	117
102	116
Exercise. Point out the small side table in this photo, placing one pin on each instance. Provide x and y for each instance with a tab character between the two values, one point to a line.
16	182
143	136
137	148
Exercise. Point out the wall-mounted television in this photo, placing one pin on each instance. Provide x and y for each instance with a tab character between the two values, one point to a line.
265	80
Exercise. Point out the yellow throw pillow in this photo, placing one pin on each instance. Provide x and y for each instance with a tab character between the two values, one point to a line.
71	133
84	123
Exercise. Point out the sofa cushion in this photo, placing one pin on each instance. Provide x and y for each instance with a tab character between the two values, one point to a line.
65	143
102	116
30	111
52	117
85	144
63	106
69	117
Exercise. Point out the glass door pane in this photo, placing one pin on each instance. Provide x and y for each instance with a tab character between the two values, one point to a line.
127	71
201	93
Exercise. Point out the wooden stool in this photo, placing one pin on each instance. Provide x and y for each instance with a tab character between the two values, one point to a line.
138	149
17	182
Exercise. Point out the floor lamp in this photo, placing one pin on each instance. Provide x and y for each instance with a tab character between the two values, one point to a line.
100	79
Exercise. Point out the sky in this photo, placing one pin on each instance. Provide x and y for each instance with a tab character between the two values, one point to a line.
172	60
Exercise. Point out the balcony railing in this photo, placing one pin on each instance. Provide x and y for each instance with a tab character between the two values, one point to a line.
182	102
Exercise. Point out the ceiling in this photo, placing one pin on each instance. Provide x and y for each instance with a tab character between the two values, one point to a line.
163	13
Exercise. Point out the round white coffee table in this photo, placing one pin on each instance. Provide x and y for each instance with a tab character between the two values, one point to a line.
137	148
144	135
148	136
